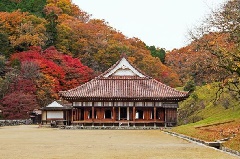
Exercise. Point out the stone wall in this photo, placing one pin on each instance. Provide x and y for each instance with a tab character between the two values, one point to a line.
15	122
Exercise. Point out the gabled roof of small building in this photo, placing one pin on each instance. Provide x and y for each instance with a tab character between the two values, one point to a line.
123	81
54	105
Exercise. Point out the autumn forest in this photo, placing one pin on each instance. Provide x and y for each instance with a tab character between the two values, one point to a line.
51	45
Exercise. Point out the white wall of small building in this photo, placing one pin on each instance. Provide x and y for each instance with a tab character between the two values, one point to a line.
52	115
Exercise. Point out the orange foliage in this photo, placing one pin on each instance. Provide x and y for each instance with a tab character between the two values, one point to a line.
190	62
10	21
219	131
66	7
23	29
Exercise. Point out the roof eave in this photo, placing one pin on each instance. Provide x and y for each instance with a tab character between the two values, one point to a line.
161	99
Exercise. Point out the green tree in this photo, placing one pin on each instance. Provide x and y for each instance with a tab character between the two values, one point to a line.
51	27
157	52
190	86
7	6
32	6
5	46
2	65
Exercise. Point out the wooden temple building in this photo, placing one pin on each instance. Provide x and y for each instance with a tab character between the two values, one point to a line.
123	96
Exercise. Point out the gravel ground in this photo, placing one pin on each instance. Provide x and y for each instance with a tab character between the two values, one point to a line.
29	141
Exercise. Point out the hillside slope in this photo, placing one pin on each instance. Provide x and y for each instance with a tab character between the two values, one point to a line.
211	120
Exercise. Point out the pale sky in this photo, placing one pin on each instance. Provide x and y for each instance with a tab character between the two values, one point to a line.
162	23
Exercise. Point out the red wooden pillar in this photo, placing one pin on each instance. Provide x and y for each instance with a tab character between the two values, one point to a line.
154	113
102	113
72	114
113	114
76	114
144	114
92	112
85	113
165	115
148	114
80	114
134	113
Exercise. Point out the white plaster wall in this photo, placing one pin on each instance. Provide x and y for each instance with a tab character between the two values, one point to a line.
125	72
55	114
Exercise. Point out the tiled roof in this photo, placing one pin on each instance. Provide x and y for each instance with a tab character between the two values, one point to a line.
124	87
123	81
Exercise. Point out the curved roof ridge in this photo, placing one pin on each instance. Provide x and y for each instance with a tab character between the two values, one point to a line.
123	77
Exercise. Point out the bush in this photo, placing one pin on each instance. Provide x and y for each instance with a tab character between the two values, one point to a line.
190	86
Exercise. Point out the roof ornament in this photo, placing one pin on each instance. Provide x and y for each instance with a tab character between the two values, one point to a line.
124	67
124	55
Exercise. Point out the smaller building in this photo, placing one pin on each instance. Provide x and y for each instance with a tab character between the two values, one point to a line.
56	113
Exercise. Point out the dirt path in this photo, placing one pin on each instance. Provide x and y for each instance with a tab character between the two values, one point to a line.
23	142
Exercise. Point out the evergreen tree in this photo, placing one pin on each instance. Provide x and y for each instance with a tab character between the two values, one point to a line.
51	29
156	52
32	6
4	45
